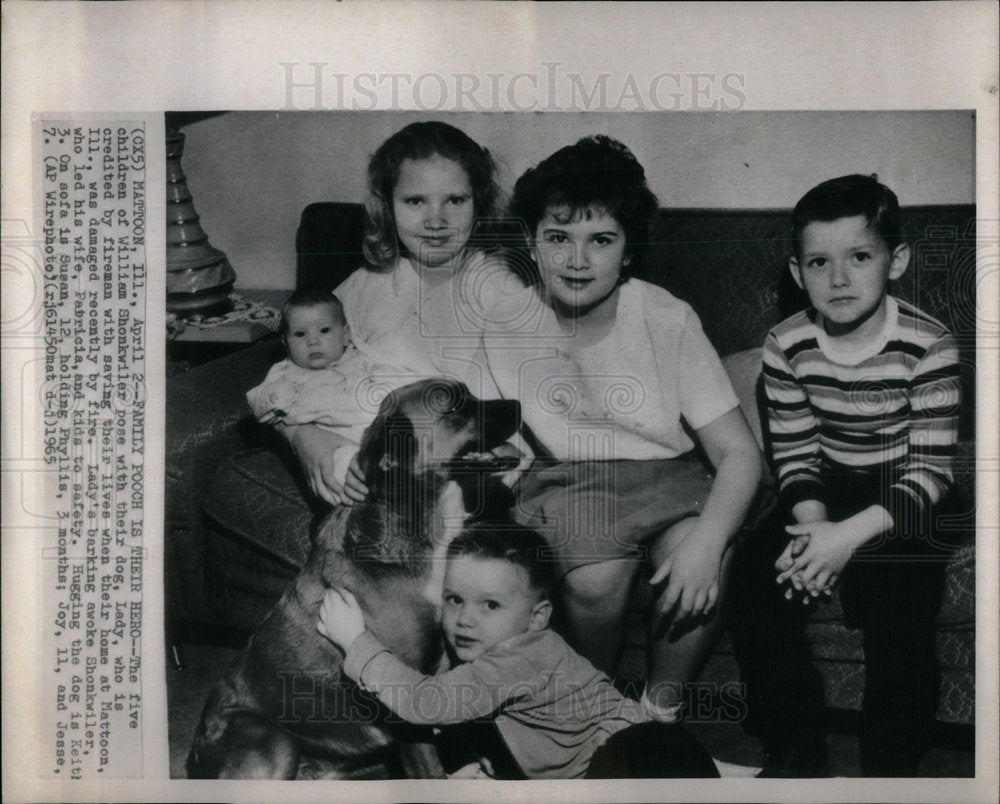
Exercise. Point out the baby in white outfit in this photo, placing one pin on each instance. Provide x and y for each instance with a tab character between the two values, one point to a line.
324	380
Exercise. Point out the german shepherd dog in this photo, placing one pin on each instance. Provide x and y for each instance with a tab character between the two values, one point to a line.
284	709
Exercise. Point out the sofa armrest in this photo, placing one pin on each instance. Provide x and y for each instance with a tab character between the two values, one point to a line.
207	419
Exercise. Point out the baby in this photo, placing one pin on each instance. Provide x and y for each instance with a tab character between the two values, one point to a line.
556	714
324	380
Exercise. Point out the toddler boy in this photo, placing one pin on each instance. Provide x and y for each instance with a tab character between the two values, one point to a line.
862	395
556	714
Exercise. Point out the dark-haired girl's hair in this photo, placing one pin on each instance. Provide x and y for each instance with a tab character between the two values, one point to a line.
596	174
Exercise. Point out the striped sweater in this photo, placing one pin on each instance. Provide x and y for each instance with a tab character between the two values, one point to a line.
890	409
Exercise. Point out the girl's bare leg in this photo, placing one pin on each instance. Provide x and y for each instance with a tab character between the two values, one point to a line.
595	599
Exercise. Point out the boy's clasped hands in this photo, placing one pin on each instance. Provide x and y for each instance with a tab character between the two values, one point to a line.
819	550
804	570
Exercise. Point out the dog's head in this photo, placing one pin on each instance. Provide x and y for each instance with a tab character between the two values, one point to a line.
429	438
434	429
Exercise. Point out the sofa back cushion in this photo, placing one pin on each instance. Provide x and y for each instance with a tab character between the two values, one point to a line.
328	244
732	267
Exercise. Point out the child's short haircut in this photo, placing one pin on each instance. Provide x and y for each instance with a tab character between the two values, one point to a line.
508	542
310	297
421	141
595	173
847	197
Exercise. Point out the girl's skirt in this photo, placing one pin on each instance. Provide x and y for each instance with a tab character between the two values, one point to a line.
594	511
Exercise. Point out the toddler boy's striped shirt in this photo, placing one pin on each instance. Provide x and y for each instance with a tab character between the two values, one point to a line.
890	408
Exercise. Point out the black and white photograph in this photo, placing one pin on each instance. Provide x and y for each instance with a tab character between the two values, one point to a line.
593	274
452	401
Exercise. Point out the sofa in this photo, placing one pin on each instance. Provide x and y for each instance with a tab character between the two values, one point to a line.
239	517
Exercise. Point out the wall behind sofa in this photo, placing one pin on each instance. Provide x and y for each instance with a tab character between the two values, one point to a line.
251	173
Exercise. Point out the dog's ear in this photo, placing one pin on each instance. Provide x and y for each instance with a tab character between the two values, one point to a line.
389	446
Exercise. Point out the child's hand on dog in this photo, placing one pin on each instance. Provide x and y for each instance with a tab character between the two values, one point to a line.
355	489
340	618
315	449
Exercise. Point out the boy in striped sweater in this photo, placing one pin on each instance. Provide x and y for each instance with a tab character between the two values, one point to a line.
862	397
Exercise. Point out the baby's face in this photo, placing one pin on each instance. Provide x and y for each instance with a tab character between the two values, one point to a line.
316	336
486	600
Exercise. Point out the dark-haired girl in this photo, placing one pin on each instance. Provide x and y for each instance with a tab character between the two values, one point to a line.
617	384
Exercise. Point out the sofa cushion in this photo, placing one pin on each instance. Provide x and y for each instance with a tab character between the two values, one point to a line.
843	683
958	605
206	414
255	498
243	584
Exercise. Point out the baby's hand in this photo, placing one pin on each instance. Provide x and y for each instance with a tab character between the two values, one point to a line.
340	618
